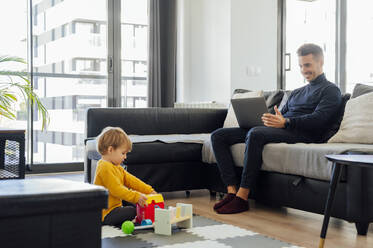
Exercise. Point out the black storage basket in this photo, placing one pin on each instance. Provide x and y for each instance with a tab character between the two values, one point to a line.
12	155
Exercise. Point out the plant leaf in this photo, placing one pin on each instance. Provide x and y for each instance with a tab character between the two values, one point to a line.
7	58
8	97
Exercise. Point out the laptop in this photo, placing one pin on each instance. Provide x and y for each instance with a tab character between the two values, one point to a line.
249	111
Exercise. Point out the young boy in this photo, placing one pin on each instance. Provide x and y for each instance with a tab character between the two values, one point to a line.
114	144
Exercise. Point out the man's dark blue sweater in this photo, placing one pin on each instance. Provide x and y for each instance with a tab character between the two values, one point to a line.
311	108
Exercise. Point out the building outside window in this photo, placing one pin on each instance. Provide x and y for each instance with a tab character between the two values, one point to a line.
70	53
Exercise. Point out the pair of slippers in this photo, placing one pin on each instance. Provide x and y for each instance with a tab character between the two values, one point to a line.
231	204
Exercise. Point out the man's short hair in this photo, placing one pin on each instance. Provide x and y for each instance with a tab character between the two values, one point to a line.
112	136
310	48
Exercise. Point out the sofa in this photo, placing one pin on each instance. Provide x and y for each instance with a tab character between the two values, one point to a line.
172	152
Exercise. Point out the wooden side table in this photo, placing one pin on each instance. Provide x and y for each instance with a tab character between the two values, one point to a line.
362	160
12	153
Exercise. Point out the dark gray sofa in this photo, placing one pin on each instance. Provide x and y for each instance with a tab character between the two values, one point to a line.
167	167
178	166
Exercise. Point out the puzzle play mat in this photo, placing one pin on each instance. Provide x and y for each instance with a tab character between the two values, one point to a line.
205	233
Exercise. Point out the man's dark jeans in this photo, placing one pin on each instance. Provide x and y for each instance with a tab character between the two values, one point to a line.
255	139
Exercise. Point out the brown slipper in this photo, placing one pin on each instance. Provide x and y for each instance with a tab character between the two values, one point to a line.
237	205
227	198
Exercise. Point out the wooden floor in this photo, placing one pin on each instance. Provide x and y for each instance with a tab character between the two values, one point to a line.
286	224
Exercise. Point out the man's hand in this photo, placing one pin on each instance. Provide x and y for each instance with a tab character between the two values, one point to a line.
276	121
142	200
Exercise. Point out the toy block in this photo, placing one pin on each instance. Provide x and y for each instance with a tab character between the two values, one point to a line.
186	215
182	216
162	223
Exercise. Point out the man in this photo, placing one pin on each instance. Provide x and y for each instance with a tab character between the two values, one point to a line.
303	119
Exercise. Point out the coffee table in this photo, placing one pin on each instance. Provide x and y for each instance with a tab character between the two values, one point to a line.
362	160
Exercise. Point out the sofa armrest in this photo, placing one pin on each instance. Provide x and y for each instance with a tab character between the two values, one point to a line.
151	121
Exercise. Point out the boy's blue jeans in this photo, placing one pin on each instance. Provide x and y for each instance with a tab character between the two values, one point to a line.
255	139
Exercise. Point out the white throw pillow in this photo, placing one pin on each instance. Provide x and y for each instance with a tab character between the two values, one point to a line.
357	122
230	119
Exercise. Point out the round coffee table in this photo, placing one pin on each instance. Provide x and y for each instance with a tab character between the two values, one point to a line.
362	160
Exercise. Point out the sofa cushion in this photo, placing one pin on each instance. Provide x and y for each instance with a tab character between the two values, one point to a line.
296	159
361	89
284	99
240	91
159	152
154	121
273	98
171	138
157	148
306	160
230	119
338	116
357	123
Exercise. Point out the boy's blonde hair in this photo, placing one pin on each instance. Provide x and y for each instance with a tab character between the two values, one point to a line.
112	136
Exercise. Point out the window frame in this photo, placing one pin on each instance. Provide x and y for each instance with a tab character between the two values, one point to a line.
114	78
340	44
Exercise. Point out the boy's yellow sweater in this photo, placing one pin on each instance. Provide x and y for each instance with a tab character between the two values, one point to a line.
121	185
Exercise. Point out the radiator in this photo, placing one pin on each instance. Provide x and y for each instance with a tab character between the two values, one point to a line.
208	105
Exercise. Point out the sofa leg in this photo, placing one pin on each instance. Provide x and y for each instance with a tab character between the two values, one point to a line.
187	193
212	195
362	227
221	195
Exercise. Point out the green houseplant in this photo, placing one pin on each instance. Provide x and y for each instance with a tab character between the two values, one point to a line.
10	83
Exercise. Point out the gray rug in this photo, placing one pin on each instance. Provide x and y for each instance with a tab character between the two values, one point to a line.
206	233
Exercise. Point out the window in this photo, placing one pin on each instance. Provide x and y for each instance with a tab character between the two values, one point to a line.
309	22
69	74
359	43
134	28
71	68
13	42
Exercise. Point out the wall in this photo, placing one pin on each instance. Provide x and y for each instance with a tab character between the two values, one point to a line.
254	44
204	50
224	45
